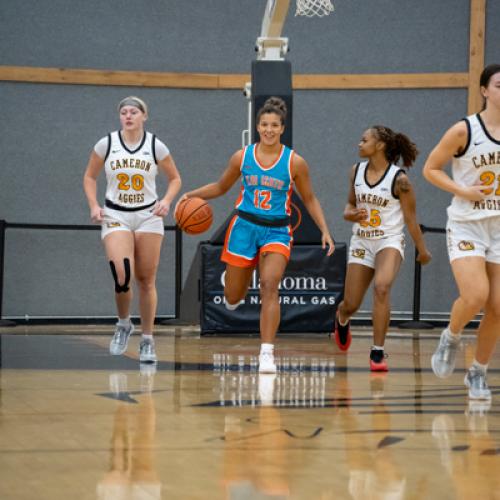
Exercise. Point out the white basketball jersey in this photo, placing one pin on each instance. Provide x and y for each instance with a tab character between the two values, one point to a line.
385	217
479	163
131	174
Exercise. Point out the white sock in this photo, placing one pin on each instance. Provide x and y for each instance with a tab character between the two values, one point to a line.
231	307
147	336
343	323
267	348
454	337
479	366
377	347
124	321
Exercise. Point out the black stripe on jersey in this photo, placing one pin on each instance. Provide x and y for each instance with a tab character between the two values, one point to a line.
355	174
381	178
260	221
153	144
109	147
469	134
486	130
137	148
393	187
121	208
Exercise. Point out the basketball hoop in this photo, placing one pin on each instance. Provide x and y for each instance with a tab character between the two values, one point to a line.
312	8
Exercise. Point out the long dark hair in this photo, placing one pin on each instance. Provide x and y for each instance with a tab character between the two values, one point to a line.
273	105
486	75
397	145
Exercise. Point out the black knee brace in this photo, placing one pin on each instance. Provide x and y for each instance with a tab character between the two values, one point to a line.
121	288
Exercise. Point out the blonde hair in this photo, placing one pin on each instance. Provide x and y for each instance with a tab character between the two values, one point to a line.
132	100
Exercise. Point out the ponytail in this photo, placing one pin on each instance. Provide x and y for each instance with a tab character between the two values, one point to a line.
397	146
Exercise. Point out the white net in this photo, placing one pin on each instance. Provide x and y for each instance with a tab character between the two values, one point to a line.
311	8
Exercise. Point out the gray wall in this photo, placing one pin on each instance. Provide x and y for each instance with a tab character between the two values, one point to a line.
48	130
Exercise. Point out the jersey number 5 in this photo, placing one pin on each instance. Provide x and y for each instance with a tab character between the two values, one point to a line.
261	199
374	220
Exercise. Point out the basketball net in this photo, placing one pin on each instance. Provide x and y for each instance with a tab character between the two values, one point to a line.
311	8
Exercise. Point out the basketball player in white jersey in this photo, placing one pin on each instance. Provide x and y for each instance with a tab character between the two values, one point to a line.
381	201
132	217
473	231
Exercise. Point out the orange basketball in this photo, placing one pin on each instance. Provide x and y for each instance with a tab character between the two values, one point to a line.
193	215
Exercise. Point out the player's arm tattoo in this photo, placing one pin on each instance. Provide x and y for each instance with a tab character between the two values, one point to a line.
403	184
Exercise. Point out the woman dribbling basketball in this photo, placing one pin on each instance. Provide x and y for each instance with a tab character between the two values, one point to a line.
260	232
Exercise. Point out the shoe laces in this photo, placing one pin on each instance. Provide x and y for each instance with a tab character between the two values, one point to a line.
446	343
379	357
120	334
147	347
267	357
478	379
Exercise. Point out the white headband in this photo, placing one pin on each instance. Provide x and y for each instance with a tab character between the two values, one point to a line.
132	101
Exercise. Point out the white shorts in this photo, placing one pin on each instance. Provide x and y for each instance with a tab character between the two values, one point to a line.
479	238
363	250
142	221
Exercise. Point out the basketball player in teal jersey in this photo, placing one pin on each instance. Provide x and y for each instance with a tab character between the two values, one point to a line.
132	218
381	201
473	231
260	232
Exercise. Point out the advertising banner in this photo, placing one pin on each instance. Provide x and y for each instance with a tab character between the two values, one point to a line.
310	290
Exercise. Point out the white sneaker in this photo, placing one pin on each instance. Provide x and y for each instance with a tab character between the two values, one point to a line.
266	363
147	352
119	342
475	380
443	359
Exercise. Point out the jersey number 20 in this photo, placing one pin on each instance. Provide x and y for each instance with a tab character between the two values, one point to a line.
136	181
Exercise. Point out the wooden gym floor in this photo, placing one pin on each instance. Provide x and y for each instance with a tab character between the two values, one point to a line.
76	423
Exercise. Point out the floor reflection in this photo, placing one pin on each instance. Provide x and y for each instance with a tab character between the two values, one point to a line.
291	390
207	425
299	382
132	473
468	451
374	472
255	453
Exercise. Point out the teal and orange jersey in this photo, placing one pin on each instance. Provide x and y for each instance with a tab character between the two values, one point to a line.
266	191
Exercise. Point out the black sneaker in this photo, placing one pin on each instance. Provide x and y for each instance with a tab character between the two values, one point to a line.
342	334
377	361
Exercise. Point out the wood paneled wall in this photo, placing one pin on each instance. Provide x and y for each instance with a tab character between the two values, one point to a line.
237	81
